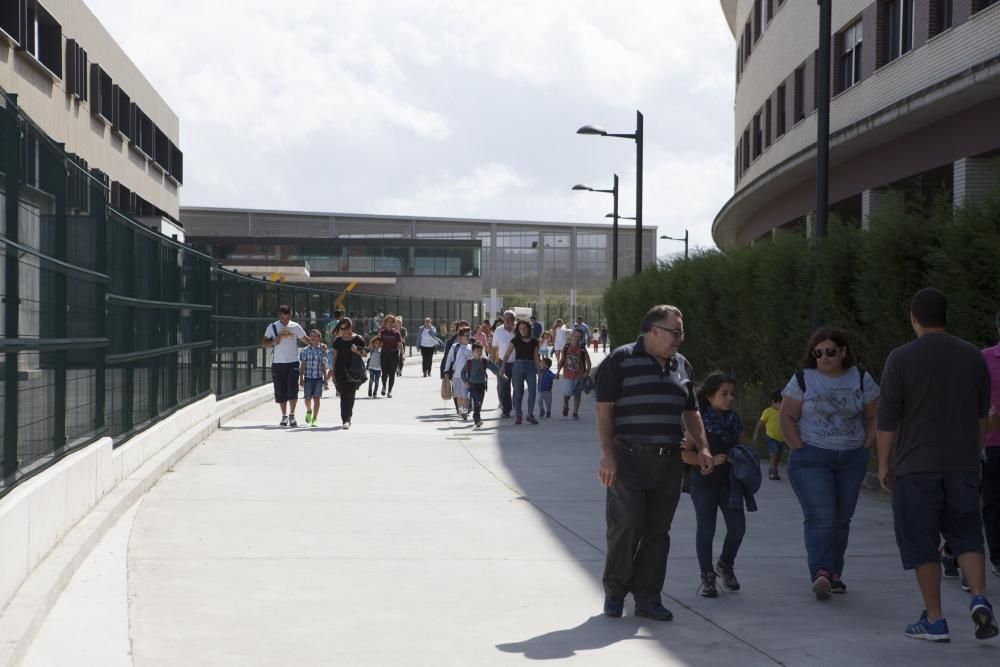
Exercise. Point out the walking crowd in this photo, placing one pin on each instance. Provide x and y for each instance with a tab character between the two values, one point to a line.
933	420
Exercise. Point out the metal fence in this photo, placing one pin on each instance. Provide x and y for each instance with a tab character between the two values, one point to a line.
108	326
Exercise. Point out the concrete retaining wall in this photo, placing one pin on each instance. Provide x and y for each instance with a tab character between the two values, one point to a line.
49	524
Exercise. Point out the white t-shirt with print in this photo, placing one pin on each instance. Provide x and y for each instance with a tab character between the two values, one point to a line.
501	340
286	350
833	410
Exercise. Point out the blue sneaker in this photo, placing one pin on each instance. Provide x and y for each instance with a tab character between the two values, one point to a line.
613	607
982	616
932	632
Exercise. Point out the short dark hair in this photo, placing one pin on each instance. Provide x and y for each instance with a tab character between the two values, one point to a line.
284	310
776	396
547	362
838	336
930	307
711	384
344	322
477	346
657	314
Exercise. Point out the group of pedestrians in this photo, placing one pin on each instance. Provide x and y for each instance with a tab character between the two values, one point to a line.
348	359
659	432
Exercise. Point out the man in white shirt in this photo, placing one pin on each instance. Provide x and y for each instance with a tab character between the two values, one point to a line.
502	338
283	337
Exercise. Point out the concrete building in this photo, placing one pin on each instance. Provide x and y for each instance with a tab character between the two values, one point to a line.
72	79
916	98
410	256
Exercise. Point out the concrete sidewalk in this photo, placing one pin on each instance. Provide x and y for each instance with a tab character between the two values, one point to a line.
415	539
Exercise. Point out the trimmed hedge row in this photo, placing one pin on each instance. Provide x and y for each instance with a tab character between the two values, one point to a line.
749	311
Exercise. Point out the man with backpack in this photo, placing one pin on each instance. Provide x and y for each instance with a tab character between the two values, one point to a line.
283	337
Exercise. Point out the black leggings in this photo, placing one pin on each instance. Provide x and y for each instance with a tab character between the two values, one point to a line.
390	364
347	391
428	355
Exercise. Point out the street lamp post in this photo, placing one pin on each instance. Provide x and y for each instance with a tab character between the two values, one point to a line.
674	238
614	227
637	135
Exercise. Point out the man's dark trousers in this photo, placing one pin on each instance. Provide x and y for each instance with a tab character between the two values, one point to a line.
504	393
640	508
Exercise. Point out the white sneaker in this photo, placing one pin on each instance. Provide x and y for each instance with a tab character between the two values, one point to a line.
347	425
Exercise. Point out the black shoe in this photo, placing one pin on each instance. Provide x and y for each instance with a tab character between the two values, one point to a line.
655	611
614	607
837	585
949	566
707	588
729	581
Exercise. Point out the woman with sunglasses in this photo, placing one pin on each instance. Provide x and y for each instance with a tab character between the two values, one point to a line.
827	417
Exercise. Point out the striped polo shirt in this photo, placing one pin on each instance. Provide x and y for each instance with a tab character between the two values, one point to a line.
649	399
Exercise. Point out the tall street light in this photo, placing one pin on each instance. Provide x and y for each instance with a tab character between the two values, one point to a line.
674	238
614	228
637	135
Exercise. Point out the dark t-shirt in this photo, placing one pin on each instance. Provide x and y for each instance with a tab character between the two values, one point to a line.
524	350
934	392
390	340
345	354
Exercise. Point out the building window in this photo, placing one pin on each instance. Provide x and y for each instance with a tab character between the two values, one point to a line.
942	14
979	5
897	29
767	123
76	70
815	79
101	93
770	9
746	149
42	38
757	136
799	94
779	126
123	112
747	41
850	57
758	20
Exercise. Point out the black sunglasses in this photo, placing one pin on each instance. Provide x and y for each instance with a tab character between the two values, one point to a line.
678	333
829	352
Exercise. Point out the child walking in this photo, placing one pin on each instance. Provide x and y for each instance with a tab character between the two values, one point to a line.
710	493
374	365
473	374
545	380
772	432
312	375
574	365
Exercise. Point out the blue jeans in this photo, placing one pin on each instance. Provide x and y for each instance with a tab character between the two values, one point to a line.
827	483
524	371
709	497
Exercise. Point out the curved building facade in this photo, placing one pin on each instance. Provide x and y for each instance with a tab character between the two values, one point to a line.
915	105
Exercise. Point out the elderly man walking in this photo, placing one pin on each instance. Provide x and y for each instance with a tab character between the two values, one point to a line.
645	402
930	432
502	338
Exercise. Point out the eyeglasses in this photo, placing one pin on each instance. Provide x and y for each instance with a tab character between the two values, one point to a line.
678	333
830	352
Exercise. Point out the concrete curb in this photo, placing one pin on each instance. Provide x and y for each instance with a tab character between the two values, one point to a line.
24	616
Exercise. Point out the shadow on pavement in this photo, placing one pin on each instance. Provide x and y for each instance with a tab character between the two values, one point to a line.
595	633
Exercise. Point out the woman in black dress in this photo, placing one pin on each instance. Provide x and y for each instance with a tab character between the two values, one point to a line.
344	346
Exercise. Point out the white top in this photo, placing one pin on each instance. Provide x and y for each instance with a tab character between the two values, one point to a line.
502	339
427	338
560	341
286	350
457	356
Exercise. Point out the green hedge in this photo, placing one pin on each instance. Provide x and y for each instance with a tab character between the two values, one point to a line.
749	311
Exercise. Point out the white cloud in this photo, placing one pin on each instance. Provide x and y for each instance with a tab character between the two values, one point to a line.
442	107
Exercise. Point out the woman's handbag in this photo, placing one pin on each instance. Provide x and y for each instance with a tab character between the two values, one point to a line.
356	372
446	389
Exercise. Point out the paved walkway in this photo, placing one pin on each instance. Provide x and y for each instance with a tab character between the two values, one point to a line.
414	539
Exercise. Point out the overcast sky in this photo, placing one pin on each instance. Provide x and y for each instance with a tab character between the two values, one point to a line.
443	107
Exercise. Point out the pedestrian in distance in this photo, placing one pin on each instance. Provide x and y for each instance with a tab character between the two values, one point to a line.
545	345
484	334
560	336
932	423
402	350
473	374
604	337
584	327
283	337
595	339
374	365
313	371
991	457
546	378
427	341
392	351
711	492
460	353
574	366
645	404
827	418
770	423
536	328
346	347
522	358
502	337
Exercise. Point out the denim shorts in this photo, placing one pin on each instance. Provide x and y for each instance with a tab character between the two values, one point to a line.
312	388
926	506
575	387
775	447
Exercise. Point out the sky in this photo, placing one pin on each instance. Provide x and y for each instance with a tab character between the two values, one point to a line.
454	108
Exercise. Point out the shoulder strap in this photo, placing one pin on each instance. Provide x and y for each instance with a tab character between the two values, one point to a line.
800	377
